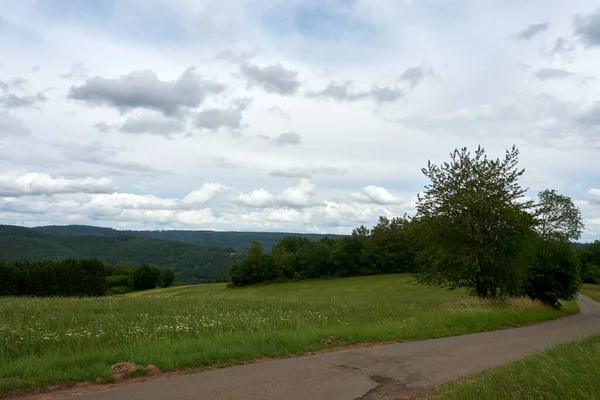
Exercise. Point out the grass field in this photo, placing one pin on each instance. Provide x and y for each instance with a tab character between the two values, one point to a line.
61	340
591	291
568	371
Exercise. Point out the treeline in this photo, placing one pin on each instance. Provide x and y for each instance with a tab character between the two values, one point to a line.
87	277
384	249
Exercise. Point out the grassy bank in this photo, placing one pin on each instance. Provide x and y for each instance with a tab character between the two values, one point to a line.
569	371
51	341
591	291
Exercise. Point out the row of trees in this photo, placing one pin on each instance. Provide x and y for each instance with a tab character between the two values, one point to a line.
474	228
77	278
381	250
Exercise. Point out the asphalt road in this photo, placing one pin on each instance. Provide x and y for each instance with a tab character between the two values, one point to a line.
379	372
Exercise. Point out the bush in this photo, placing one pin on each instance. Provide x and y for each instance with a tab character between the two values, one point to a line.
145	277
554	275
118	290
119	280
590	273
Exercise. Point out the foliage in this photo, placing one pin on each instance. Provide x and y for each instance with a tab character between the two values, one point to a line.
555	272
145	277
64	340
236	240
191	263
589	255
167	277
558	217
474	228
383	249
554	275
53	278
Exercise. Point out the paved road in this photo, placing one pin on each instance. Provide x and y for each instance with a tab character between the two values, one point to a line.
380	372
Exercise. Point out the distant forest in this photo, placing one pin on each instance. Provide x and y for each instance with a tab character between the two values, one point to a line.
194	256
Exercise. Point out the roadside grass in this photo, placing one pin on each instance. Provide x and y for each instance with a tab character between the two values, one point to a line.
591	291
568	371
49	341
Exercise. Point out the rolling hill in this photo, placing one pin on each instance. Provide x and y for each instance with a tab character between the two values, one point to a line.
237	240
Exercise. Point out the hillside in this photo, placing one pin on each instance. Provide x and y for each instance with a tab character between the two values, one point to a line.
237	240
191	262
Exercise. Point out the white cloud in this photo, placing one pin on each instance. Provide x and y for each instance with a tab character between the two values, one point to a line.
204	194
257	198
34	183
375	194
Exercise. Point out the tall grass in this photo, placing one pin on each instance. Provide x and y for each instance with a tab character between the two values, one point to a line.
568	371
58	340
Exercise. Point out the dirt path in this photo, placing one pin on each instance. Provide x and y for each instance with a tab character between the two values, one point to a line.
380	372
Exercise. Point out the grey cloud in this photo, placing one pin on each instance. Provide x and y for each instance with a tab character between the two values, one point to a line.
143	89
12	126
215	118
587	28
223	162
234	57
272	78
77	72
154	125
562	46
103	127
386	94
552	73
100	154
297	172
532	30
415	75
590	117
278	111
15	83
11	100
339	91
288	138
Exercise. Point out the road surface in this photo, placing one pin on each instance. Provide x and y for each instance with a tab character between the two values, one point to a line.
380	372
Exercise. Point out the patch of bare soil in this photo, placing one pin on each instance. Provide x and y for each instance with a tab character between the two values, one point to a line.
126	370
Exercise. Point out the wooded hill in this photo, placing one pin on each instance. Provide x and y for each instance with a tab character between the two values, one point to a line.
237	240
192	263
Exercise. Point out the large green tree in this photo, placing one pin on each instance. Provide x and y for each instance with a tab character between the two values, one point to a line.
474	227
555	272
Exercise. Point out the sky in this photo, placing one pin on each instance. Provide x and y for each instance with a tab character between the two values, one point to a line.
286	115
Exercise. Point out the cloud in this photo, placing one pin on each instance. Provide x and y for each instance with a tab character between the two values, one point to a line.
278	111
215	118
593	196
288	138
300	195
341	92
77	72
532	30
12	100
386	94
297	172
562	46
143	89
12	126
16	185
271	78
103	127
204	194
375	194
587	29
552	73
152	124
415	75
15	83
257	198
234	57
